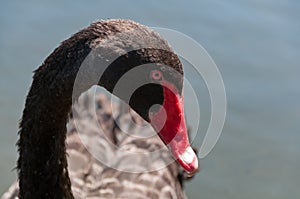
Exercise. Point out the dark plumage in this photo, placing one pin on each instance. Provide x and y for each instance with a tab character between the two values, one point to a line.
42	164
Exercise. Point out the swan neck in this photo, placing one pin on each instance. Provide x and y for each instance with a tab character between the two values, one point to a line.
42	163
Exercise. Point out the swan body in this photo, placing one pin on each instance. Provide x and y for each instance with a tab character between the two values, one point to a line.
92	179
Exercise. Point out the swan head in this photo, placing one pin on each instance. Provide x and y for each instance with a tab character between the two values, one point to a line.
153	88
148	75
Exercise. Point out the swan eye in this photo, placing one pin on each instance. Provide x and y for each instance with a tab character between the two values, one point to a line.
156	75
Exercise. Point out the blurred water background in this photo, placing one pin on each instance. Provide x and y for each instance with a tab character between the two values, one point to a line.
256	46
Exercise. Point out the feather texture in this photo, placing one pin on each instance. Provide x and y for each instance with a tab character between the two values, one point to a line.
91	178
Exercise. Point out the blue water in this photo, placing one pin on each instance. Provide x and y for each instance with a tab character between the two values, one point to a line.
256	46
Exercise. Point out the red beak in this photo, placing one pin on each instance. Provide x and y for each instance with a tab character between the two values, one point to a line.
170	125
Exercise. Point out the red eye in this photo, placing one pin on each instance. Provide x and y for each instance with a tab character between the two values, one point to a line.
156	75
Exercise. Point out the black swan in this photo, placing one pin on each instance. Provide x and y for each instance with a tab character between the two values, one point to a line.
53	162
